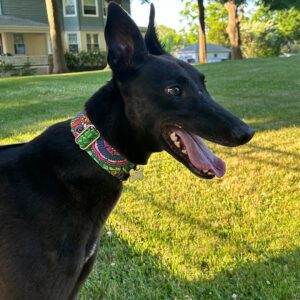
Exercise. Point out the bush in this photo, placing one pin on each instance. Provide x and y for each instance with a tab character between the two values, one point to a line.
86	60
8	69
260	39
26	70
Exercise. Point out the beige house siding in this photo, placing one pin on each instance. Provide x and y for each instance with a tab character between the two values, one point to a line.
35	43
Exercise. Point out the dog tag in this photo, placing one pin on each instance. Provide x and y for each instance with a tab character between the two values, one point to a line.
136	175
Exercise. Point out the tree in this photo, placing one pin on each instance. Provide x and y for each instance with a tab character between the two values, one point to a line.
287	15
54	19
195	10
202	35
216	20
233	27
261	38
170	39
280	4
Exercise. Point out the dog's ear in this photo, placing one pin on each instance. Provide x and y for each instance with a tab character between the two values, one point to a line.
151	39
126	47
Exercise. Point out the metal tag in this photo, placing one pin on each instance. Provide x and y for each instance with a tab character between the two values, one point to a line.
136	175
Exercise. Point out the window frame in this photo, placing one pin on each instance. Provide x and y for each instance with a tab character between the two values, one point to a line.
92	39
78	40
14	40
104	8
88	15
64	9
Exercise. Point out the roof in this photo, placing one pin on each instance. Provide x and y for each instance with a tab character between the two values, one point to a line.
11	21
209	47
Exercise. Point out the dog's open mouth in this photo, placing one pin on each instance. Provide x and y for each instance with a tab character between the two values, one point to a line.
190	150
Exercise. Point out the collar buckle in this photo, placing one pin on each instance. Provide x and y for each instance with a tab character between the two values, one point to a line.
87	137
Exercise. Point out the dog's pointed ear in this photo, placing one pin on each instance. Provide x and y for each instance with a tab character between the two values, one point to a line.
126	47
151	39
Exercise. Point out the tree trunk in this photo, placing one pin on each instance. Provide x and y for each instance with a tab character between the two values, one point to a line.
233	29
54	19
202	36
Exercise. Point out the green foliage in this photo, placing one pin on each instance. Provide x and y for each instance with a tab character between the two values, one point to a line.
216	22
190	15
260	39
86	60
8	69
288	24
27	70
170	39
280	4
269	32
237	2
173	235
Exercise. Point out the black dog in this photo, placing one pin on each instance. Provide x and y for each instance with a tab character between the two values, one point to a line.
55	197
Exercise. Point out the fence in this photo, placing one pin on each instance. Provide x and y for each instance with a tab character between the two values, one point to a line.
41	63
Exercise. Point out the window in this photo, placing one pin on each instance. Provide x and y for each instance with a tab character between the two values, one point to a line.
73	42
19	43
70	9
92	41
215	55
90	8
105	6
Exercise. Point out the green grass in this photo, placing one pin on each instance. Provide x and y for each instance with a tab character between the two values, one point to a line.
173	236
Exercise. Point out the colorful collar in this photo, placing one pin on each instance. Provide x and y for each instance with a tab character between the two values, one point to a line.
89	139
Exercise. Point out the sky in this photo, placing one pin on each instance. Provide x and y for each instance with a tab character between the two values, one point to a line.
167	13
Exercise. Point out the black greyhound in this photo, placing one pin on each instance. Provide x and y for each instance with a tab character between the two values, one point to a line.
55	197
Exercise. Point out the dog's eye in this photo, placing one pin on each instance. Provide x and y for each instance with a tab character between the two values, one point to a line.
173	90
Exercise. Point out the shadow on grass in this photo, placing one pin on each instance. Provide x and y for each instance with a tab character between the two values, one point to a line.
123	272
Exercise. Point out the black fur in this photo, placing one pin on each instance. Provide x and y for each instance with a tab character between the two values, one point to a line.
54	199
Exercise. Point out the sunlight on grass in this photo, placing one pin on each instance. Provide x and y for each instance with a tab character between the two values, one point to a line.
173	235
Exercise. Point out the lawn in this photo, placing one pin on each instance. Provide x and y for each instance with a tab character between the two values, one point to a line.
173	236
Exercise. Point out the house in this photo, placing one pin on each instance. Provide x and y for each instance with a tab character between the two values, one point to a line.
24	29
214	53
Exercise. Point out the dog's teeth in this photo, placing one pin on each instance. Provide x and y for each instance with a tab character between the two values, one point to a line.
184	151
173	136
210	173
177	144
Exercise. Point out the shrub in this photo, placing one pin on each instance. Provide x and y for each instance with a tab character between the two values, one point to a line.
7	69
86	60
26	70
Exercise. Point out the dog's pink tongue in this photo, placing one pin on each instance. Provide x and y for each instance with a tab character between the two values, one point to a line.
200	156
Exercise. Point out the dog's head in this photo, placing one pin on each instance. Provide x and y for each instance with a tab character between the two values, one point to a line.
165	99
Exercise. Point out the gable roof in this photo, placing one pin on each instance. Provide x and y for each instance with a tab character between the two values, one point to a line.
11	21
209	47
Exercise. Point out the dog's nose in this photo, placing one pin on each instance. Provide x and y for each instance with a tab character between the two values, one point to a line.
243	134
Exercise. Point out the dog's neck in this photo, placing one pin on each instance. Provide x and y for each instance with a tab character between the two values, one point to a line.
107	112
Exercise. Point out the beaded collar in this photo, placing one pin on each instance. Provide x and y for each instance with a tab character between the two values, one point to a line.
89	139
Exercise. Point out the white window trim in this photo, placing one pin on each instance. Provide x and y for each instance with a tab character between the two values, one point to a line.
92	38
78	39
64	9
92	16
104	6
